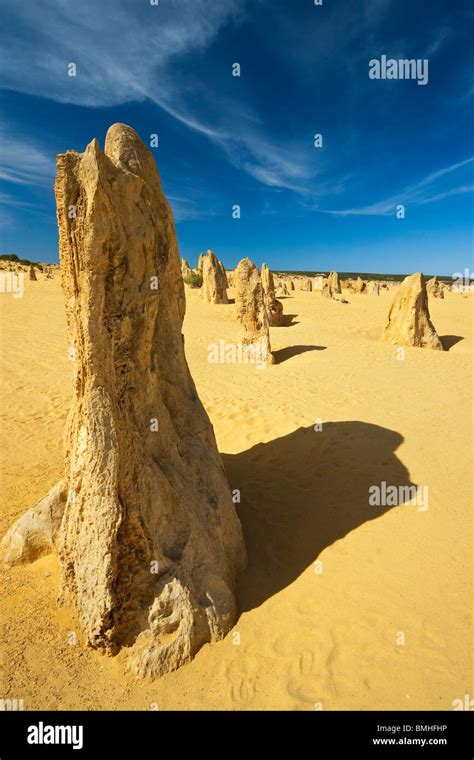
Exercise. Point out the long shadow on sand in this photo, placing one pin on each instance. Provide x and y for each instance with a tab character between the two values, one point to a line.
304	491
289	320
282	354
449	341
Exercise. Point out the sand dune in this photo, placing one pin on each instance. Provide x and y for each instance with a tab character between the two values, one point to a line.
332	582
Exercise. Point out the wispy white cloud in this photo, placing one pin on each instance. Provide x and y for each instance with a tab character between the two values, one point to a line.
131	51
188	209
21	161
448	193
9	200
431	178
128	52
437	42
274	163
427	190
120	52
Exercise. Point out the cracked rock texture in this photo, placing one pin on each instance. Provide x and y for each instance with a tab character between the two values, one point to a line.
273	307
149	542
251	311
408	322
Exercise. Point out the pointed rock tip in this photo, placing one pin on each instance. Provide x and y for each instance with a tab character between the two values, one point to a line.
93	147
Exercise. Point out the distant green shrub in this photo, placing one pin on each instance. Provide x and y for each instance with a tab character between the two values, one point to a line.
25	262
193	279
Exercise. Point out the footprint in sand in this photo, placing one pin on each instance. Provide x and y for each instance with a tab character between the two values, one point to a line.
242	679
309	678
302	678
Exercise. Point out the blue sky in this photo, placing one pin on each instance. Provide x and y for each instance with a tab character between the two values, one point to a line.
249	140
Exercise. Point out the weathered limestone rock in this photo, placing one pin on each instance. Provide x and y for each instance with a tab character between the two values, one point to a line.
149	543
223	273
373	288
35	532
334	283
327	290
282	289
185	268
251	311
408	322
306	284
32	273
273	307
291	285
358	286
435	288
214	280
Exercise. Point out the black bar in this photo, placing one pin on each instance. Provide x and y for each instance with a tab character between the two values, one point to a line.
143	734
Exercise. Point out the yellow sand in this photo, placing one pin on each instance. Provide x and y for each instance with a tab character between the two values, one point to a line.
312	634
